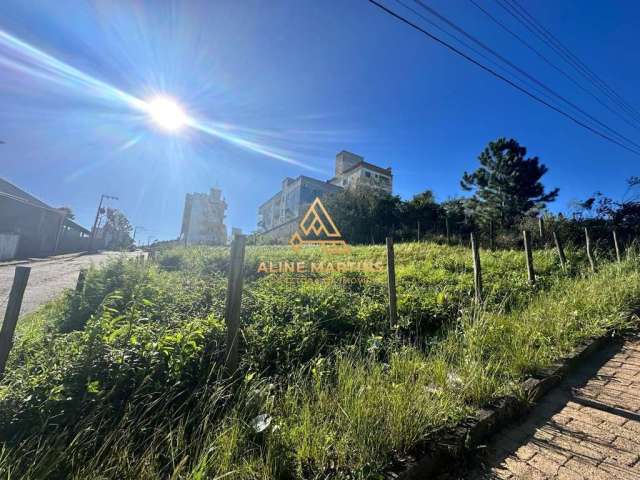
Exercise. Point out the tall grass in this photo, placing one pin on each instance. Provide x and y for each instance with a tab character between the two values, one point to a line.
131	387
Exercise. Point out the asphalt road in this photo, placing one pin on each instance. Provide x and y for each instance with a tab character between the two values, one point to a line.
48	278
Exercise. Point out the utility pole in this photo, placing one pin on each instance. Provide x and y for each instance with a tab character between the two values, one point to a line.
95	222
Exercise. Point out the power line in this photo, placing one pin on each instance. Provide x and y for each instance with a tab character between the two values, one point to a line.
501	77
536	29
461	41
469	46
575	57
553	65
526	74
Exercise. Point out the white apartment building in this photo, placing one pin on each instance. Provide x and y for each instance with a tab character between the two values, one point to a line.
351	170
278	216
203	219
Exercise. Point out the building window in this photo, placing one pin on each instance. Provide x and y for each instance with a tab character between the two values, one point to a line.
367	174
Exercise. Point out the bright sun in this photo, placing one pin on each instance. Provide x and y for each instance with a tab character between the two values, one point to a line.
166	113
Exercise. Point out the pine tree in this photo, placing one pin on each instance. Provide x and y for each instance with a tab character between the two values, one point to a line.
507	185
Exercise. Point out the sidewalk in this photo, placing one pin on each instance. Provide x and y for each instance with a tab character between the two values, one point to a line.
586	428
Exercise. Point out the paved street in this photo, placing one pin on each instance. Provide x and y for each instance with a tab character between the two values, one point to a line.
48	278
588	428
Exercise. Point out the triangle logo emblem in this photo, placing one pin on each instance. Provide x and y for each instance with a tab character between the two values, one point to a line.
318	228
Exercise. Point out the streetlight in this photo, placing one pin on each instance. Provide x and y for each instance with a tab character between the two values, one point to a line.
95	223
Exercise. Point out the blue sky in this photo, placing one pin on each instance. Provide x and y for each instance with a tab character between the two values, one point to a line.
303	79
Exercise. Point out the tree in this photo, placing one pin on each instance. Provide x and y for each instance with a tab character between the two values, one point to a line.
625	212
68	213
458	212
507	185
364	214
421	208
117	229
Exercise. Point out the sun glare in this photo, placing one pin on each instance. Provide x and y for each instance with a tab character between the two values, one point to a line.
166	113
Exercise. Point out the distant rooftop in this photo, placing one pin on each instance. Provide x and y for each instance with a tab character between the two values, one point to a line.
370	166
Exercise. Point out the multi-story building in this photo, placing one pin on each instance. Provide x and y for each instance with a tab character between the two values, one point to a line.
288	204
351	171
278	217
203	219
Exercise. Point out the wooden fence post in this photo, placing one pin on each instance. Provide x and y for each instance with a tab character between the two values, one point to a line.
12	313
81	278
391	281
541	229
233	303
477	270
529	255
588	245
615	244
558	242
446	226
491	235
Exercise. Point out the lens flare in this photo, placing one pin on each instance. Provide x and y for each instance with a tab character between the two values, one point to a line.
17	55
167	113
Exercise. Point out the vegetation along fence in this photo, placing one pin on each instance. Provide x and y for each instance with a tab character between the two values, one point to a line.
236	276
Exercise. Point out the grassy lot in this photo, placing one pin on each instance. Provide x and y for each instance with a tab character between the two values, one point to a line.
124	381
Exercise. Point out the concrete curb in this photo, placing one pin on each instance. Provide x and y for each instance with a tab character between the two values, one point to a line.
63	257
453	444
13	262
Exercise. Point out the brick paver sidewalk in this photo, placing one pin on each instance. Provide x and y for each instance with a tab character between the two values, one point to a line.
586	428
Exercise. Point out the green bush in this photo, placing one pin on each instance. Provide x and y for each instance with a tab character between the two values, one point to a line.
124	379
